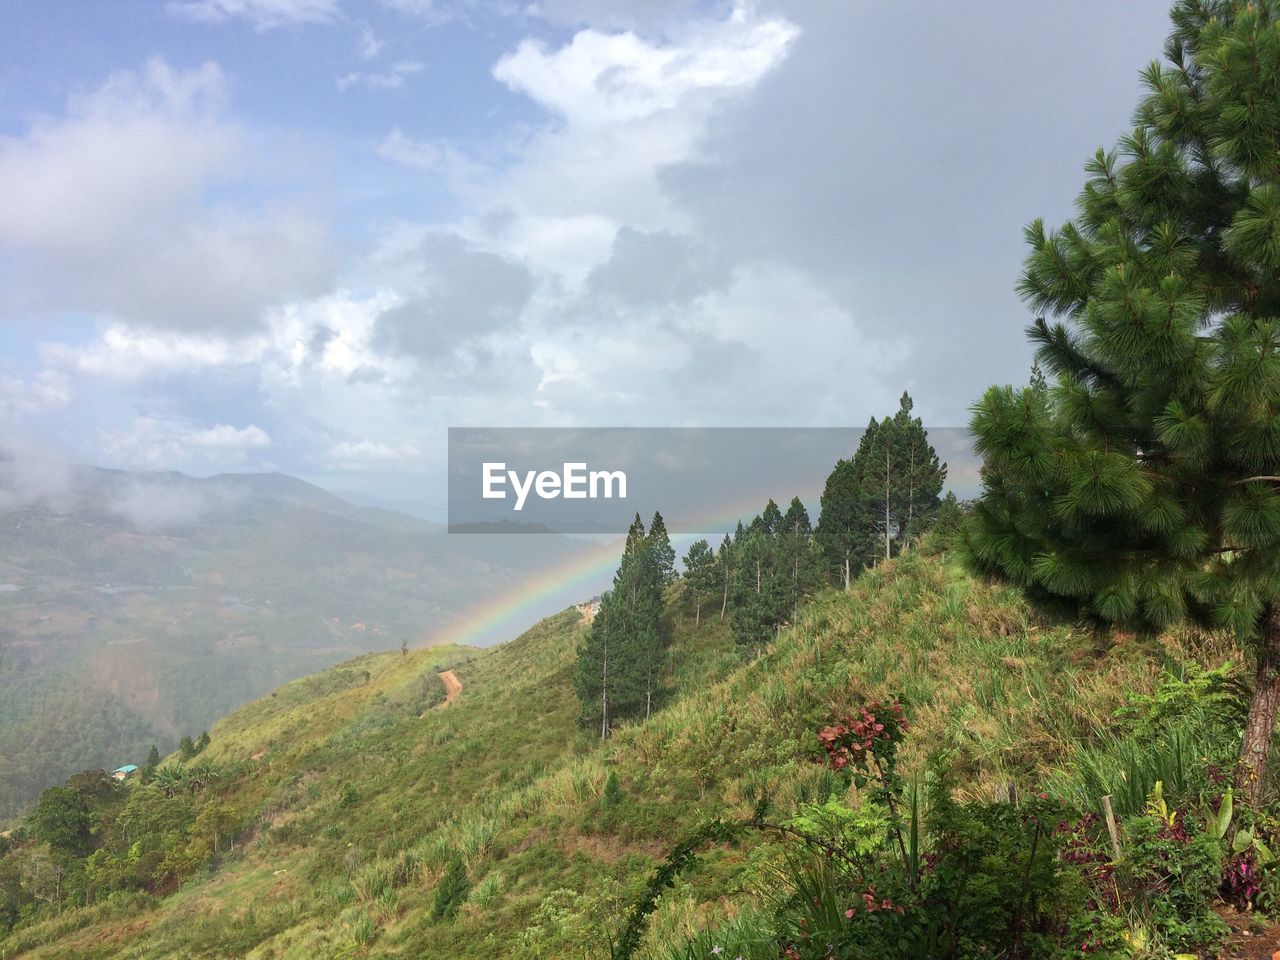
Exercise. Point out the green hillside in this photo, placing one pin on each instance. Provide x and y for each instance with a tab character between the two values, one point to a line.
336	804
140	607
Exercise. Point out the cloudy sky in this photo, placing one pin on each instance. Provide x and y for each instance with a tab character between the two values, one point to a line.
310	235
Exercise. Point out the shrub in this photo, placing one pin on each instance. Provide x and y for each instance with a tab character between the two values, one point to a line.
348	796
451	891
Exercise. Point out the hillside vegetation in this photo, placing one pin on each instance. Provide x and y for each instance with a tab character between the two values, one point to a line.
136	608
361	817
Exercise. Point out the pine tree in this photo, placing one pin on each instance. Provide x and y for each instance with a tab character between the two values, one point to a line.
878	462
799	555
770	521
620	662
612	791
153	761
844	523
759	595
611	801
451	891
597	672
725	569
922	473
1144	491
639	585
700	575
950	523
663	553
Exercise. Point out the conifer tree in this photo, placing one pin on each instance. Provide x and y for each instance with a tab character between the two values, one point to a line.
844	523
598	674
770	521
700	575
799	555
725	570
451	891
664	555
639	585
620	662
153	761
1144	489
950	523
612	791
759	592
922	473
879	463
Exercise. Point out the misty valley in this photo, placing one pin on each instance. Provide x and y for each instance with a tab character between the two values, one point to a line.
136	608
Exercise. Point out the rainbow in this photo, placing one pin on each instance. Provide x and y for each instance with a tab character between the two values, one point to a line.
519	606
511	611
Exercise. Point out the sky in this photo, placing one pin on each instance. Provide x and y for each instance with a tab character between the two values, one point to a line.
311	235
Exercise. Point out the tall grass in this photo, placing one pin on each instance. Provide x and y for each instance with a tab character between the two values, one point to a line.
1127	767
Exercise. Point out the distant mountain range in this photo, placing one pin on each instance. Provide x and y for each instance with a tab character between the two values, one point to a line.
138	607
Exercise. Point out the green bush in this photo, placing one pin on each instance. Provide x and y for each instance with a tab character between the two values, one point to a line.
451	891
1172	869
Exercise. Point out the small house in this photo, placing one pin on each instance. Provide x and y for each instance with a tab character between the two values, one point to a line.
128	770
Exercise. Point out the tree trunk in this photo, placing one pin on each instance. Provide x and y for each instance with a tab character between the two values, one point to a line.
887	473
725	602
1261	722
847	579
604	691
697	613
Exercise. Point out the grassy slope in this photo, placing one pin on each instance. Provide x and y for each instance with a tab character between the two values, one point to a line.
505	776
120	637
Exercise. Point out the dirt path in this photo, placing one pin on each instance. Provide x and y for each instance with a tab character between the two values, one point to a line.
452	686
1247	942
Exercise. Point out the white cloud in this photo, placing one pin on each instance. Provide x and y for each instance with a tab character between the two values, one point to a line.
104	210
47	390
263	14
624	108
31	473
227	437
619	77
429	157
393	78
161	504
166	444
121	352
370	46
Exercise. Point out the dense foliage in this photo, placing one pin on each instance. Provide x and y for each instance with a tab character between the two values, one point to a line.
880	498
1141	487
621	661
